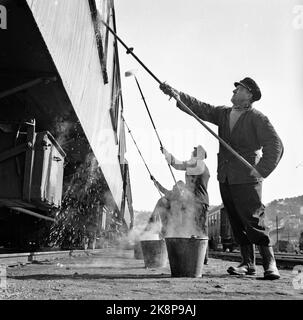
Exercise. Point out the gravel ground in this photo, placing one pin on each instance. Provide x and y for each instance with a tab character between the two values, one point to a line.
113	274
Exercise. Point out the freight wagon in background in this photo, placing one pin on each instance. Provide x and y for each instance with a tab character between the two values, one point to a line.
221	236
219	230
60	97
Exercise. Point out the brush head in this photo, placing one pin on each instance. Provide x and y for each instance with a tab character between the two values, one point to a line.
130	73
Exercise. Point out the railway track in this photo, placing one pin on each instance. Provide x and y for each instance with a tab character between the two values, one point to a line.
13	259
283	260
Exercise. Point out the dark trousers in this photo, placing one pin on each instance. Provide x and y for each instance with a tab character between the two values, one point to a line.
201	218
246	212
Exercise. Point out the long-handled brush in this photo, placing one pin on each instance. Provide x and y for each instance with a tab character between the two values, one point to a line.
129	74
130	133
226	145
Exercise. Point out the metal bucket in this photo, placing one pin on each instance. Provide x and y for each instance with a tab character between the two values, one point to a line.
138	254
154	253
186	256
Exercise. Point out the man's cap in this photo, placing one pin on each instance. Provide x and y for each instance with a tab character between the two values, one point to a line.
251	86
201	153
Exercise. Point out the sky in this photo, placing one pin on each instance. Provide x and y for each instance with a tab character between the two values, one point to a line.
201	47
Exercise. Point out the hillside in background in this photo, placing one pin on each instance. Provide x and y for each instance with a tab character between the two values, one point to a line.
285	217
285	209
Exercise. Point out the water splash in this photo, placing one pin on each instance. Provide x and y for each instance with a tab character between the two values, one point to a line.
84	199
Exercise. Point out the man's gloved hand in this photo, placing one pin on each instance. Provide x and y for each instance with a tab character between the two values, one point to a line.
167	89
165	152
152	177
167	155
156	183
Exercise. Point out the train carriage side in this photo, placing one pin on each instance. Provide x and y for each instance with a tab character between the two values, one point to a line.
58	67
219	230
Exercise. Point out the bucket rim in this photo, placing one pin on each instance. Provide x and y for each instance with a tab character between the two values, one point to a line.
151	240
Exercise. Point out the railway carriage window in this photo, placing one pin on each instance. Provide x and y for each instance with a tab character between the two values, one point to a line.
122	142
116	93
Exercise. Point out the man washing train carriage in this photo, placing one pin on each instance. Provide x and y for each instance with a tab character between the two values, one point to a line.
196	178
247	131
192	194
195	200
173	210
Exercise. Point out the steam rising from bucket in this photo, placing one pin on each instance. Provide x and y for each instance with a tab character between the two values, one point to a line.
139	232
184	217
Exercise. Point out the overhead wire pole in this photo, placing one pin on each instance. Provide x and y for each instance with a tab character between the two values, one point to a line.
226	145
130	133
151	119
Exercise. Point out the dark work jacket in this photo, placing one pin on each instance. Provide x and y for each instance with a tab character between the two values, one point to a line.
201	182
251	133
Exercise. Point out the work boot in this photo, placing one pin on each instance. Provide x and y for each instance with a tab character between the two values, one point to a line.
271	271
248	264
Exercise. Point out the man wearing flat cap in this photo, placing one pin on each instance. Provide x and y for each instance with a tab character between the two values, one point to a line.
251	134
